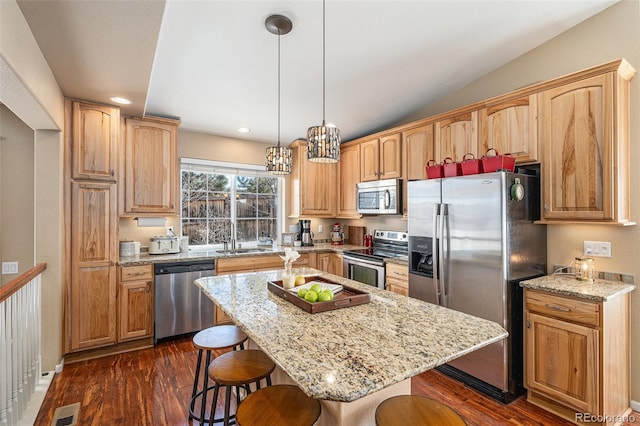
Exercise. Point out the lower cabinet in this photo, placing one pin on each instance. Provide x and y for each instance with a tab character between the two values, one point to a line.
330	262
577	356
248	264
135	302
397	278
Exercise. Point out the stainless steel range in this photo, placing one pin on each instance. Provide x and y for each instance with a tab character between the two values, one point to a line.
367	265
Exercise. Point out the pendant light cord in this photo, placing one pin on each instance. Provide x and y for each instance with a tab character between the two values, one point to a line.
279	89
323	62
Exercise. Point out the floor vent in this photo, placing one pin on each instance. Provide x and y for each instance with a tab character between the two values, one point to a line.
66	415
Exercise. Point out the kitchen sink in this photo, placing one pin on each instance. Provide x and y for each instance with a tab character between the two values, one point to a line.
242	250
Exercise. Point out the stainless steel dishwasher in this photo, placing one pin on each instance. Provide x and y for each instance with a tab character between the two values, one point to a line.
180	305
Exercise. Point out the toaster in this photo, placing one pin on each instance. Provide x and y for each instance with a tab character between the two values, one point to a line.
164	245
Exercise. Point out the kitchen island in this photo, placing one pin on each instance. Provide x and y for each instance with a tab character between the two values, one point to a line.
350	358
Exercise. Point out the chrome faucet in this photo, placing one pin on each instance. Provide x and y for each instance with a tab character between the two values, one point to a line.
233	235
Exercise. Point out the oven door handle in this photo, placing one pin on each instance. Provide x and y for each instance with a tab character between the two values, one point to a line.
358	260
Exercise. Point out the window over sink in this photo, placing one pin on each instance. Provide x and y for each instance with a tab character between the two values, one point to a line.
215	196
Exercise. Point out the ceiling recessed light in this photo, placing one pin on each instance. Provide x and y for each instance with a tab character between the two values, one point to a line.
244	130
120	100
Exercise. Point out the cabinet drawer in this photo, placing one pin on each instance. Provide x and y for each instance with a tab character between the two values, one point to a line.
573	310
137	272
397	271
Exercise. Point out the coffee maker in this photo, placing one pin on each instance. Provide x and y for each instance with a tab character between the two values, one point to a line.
306	236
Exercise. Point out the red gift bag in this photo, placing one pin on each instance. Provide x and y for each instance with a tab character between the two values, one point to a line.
492	163
471	165
451	168
434	170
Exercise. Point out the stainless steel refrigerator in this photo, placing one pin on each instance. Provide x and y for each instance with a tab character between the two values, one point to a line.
471	241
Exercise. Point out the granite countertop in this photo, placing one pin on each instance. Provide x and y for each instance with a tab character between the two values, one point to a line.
146	258
567	285
348	353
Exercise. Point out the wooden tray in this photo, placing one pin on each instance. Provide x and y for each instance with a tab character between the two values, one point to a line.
349	296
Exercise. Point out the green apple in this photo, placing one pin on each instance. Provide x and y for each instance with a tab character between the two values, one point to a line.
302	292
325	296
311	296
316	287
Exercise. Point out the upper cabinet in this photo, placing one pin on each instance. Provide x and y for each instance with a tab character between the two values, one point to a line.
348	178
585	139
511	127
456	135
94	141
418	150
150	186
381	158
312	186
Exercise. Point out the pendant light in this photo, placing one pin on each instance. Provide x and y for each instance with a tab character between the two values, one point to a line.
323	142
278	158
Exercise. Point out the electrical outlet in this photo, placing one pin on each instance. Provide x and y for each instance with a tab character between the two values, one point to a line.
9	268
598	248
170	230
320	229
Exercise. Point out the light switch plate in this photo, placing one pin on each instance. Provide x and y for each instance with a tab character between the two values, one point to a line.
597	248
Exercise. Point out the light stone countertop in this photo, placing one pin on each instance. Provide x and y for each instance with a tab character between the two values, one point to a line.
568	285
348	353
146	258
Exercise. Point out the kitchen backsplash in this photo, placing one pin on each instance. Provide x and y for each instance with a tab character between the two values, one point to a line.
601	275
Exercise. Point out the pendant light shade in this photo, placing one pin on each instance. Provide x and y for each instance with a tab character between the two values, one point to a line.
278	159
323	142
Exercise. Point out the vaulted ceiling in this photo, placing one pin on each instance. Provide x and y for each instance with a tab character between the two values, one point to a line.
213	64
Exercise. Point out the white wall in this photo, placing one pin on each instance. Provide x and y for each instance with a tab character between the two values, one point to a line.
17	193
612	34
29	90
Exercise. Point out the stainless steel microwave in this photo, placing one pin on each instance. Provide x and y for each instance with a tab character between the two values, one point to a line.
380	197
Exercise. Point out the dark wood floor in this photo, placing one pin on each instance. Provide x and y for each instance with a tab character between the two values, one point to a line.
153	387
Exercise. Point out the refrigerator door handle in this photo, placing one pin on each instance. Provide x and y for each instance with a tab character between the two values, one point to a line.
434	251
444	217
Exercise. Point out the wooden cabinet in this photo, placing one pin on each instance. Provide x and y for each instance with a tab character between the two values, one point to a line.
94	141
511	127
585	137
135	302
330	262
397	278
381	158
336	264
248	264
456	135
577	354
305	260
418	149
312	186
150	186
92	290
348	178
219	317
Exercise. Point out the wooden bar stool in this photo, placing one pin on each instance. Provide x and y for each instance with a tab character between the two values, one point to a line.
219	337
406	410
280	405
238	369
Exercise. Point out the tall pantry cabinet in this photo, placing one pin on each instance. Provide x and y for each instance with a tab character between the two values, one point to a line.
91	221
